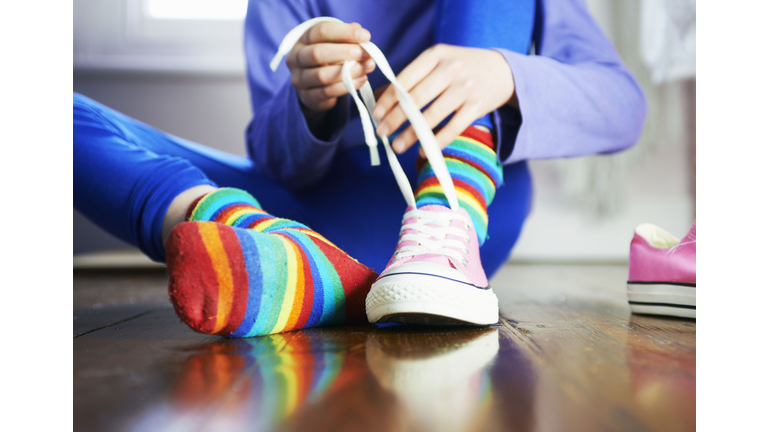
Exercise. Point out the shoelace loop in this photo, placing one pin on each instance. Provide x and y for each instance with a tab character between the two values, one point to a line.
430	234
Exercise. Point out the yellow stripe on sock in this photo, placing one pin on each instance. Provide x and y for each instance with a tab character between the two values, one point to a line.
467	198
482	146
210	235
236	215
319	237
298	299
290	286
264	225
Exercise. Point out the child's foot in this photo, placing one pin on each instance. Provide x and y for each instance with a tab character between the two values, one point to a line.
435	276
267	276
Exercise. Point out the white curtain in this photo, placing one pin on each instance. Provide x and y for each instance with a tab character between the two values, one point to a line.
656	40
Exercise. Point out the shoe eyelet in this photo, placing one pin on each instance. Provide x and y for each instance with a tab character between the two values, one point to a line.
465	250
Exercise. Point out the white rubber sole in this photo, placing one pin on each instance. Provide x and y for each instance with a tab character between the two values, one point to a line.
662	299
428	299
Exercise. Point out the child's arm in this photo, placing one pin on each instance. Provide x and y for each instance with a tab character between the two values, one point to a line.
298	117
576	97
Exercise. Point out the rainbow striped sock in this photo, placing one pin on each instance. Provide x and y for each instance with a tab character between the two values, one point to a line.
237	271
476	173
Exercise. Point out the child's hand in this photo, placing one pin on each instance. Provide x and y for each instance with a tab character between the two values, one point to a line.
315	63
468	81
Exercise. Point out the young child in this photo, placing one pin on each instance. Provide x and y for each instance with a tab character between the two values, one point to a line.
235	270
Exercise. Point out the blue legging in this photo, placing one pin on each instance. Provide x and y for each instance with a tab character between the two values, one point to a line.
126	173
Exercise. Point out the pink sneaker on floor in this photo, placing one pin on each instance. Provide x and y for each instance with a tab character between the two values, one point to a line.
435	275
662	272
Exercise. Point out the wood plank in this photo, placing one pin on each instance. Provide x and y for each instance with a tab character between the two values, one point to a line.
619	371
122	370
103	298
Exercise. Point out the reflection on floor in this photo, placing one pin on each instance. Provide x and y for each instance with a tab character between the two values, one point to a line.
567	355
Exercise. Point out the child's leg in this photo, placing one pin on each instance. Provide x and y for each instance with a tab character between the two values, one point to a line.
436	274
471	158
487	24
265	277
119	184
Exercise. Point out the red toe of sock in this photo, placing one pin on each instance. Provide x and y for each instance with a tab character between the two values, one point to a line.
193	285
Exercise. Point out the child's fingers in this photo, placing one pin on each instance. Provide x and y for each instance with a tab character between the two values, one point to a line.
336	32
426	91
327	75
447	103
413	74
318	95
327	53
458	123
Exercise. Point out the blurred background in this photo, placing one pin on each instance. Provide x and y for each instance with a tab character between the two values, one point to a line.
178	65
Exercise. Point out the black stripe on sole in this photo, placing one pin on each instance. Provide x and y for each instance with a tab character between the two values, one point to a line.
685	284
682	306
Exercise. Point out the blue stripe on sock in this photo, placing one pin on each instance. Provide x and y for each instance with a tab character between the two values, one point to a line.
220	205
255	284
269	279
246	220
491	167
484	121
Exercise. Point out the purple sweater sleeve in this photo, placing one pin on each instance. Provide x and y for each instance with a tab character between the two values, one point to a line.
576	96
278	138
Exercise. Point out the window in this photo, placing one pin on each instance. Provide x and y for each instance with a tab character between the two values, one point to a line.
195	36
196	9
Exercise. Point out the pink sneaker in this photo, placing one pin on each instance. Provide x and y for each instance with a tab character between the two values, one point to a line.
662	272
435	275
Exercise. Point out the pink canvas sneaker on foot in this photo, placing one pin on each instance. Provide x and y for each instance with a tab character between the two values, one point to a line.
662	272
435	275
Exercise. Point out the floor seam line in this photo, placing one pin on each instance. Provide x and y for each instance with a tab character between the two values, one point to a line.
114	323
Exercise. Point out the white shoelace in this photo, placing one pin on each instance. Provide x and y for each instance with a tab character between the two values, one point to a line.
431	237
432	229
365	106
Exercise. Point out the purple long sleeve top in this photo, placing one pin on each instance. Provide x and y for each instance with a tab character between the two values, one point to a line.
576	96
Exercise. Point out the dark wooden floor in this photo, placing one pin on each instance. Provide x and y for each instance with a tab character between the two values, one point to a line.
568	355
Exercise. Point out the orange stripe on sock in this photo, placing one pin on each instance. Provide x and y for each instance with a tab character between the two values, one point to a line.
293	264
227	213
305	307
212	242
298	299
